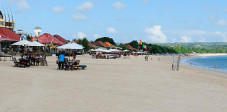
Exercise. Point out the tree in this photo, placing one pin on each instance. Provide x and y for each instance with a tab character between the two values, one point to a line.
134	44
106	39
84	43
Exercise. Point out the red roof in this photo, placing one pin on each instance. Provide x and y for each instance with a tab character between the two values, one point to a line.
89	43
101	44
111	45
60	39
92	45
131	48
5	32
48	38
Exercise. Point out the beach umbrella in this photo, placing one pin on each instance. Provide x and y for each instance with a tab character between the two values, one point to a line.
71	46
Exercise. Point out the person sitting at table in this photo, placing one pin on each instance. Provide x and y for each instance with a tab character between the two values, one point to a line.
74	60
25	56
61	59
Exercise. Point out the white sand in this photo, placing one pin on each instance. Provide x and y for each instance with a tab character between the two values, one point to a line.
121	85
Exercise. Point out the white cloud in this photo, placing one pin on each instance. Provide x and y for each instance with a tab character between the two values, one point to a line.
96	36
21	4
111	30
186	39
81	35
156	34
118	6
87	6
79	17
58	9
221	23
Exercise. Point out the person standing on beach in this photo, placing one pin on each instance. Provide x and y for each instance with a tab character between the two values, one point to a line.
75	53
61	60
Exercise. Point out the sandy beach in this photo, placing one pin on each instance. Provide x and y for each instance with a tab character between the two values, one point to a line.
120	85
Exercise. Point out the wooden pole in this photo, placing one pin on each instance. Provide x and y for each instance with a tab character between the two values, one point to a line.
178	63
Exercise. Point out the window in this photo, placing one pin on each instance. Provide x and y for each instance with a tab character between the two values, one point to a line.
2	23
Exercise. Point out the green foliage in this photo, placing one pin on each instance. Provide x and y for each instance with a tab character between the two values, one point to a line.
134	44
29	38
84	43
106	39
122	46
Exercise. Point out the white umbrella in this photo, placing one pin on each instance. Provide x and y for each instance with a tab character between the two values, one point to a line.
22	43
71	46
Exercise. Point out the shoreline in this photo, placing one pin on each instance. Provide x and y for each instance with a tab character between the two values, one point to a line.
185	60
211	54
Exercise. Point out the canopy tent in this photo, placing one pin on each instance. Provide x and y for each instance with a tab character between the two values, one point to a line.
71	46
35	43
23	43
28	43
102	50
114	50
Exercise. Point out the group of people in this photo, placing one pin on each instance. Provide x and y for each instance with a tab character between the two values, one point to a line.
32	58
62	60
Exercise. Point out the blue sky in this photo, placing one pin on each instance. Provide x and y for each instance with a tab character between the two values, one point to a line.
153	21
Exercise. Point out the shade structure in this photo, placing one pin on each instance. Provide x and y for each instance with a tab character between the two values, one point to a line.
35	43
23	43
71	46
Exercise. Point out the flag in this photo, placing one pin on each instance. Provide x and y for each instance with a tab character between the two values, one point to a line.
141	42
108	44
144	46
37	39
32	39
0	35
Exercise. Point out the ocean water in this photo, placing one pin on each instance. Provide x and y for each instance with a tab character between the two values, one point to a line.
210	62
